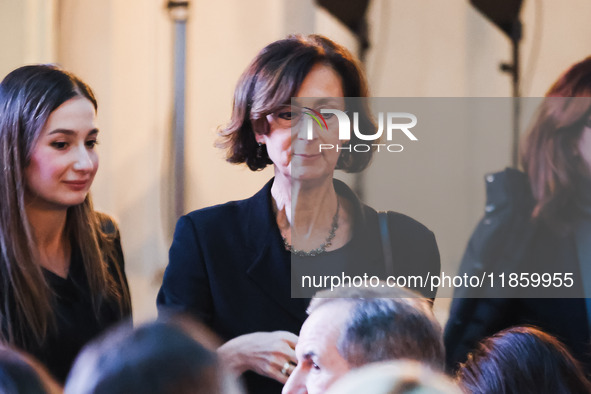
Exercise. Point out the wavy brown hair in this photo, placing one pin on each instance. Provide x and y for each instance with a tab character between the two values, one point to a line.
550	155
274	76
28	95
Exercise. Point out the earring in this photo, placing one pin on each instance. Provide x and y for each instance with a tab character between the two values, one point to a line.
260	150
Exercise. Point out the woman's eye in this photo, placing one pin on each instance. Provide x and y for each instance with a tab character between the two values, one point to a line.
315	366
59	145
286	115
328	115
91	143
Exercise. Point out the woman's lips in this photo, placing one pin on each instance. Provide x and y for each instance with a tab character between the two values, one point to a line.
77	185
308	155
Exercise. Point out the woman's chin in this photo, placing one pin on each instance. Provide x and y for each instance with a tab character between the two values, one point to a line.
309	175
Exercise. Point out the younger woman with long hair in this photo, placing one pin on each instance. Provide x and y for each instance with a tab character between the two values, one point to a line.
61	265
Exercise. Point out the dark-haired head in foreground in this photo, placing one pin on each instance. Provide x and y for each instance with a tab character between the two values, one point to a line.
522	360
20	374
156	358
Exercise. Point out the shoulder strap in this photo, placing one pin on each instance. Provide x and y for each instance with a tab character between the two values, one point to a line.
386	242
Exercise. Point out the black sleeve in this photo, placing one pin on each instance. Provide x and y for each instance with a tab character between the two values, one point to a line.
415	248
432	259
475	313
185	286
498	244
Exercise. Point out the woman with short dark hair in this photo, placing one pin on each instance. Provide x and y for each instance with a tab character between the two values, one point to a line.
61	266
229	265
268	84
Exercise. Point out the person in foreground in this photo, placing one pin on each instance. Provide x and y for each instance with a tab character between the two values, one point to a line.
20	374
230	265
537	221
351	327
62	278
522	360
395	377
169	356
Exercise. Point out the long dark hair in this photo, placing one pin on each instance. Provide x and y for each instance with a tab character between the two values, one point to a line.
550	154
522	360
28	95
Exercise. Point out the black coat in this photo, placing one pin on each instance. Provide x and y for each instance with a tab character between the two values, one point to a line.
229	268
506	240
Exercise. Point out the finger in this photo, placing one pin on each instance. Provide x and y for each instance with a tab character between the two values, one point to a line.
290	338
275	373
281	378
286	353
290	369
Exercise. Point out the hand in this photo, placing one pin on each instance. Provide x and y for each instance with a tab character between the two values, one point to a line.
262	352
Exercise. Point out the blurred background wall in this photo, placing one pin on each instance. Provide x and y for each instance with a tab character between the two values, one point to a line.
420	48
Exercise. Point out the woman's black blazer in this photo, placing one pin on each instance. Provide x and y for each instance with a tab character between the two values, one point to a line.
228	266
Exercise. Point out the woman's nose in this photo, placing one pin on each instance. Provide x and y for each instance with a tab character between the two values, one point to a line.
305	129
83	161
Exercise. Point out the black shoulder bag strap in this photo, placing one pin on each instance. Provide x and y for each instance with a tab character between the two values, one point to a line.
386	242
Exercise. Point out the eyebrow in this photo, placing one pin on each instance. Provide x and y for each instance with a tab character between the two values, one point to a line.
325	101
309	355
72	132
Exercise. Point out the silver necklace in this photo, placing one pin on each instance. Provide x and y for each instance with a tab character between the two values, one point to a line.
322	248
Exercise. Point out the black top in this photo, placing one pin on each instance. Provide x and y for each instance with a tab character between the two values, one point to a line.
229	268
76	321
507	240
359	261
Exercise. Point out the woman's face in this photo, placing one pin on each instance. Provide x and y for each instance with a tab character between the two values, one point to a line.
289	147
63	161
